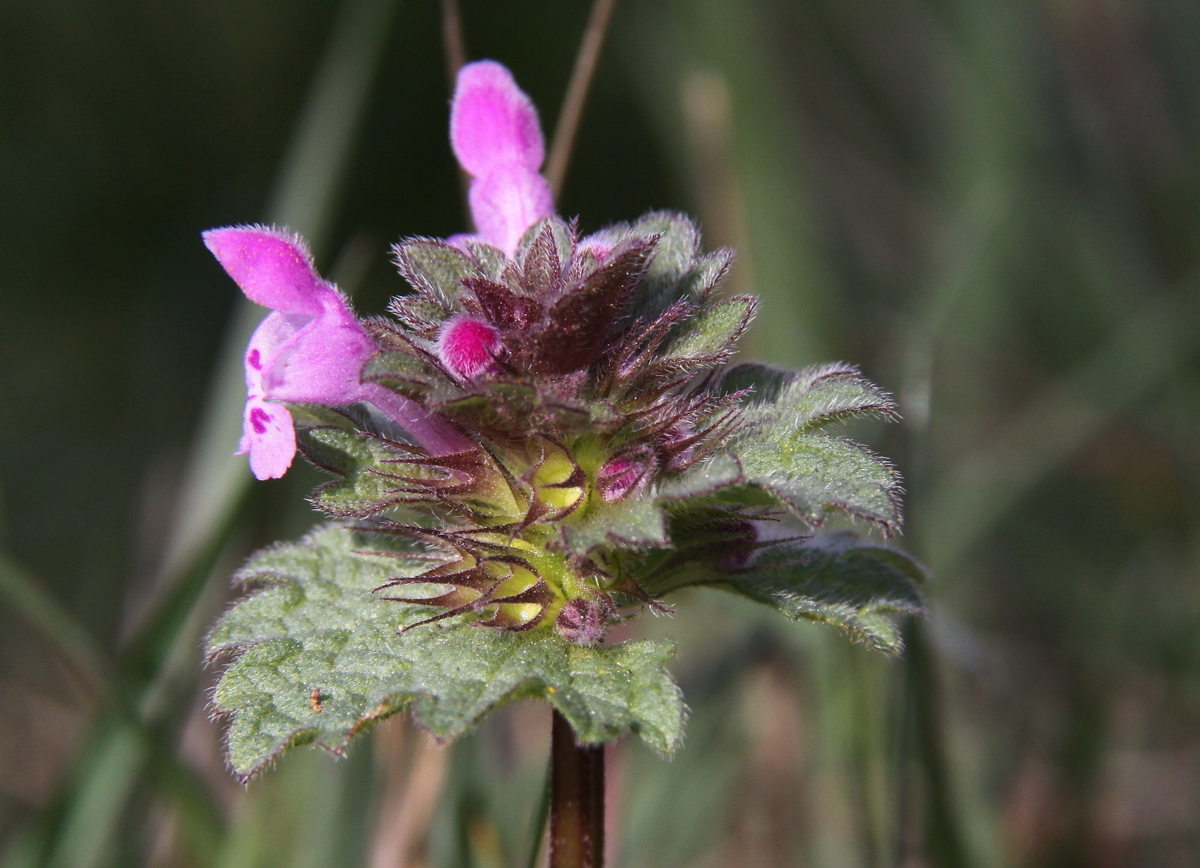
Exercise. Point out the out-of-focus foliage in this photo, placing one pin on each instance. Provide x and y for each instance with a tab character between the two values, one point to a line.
993	208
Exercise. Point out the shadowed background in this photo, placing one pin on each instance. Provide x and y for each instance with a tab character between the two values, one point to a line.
992	206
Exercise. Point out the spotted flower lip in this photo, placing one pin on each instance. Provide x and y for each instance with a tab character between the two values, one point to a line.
497	139
311	348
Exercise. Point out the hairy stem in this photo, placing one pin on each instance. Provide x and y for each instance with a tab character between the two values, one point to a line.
576	800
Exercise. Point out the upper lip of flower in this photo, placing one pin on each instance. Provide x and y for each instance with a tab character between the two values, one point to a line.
497	139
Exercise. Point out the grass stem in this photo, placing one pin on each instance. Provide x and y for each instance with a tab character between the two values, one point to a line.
577	91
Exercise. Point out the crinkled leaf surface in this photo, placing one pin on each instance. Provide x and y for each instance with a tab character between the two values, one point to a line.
783	452
632	522
434	267
676	269
716	328
812	473
319	658
704	478
821	395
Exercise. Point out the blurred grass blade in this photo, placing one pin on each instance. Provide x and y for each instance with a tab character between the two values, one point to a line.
28	598
201	827
305	198
989	482
537	825
943	834
571	112
97	801
722	46
412	790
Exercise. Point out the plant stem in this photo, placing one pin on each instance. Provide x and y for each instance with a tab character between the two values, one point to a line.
576	800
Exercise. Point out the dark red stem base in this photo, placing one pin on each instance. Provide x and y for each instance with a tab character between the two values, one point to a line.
576	800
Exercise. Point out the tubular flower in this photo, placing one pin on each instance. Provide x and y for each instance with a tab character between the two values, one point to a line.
310	349
495	134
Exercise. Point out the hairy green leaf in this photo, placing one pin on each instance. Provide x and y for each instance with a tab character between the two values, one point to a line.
434	267
634	521
319	658
715	329
318	416
706	274
762	384
717	472
783	453
812	473
828	393
673	259
677	247
841	581
407	374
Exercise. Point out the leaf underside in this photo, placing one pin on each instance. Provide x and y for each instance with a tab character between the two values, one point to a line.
839	579
319	658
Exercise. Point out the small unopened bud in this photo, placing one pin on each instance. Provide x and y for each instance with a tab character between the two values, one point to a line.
677	443
468	347
584	621
623	473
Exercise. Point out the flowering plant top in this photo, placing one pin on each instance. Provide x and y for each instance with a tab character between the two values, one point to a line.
546	437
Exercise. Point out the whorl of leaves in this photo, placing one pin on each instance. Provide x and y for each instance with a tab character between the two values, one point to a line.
616	456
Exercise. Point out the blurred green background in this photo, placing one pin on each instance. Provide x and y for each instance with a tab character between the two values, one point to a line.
992	206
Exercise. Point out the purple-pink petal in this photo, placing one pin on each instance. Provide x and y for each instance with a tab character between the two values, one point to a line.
493	122
427	428
506	202
309	358
272	267
269	437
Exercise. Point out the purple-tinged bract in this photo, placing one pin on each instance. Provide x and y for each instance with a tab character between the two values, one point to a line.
496	136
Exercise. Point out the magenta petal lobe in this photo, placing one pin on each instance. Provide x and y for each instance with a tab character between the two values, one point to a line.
272	268
492	121
506	202
270	438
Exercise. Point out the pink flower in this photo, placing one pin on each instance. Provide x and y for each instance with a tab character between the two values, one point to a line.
309	349
495	134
